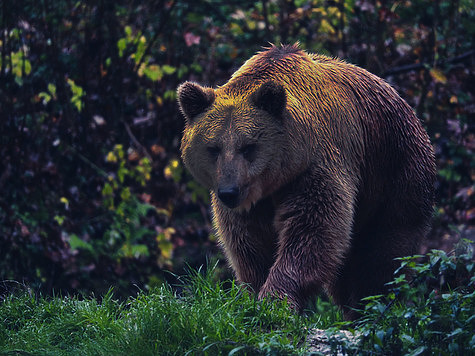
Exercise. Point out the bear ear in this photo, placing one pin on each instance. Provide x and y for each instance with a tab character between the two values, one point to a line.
270	97
194	99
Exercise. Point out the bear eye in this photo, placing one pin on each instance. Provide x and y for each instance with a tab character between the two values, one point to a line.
248	151
214	151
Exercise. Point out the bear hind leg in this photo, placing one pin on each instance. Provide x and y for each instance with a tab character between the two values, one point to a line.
371	263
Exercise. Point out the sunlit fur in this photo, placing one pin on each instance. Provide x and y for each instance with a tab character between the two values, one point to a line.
340	185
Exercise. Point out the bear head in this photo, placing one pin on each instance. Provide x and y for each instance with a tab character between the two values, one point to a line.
231	140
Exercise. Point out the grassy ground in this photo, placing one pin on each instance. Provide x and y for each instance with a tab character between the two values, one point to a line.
206	318
429	311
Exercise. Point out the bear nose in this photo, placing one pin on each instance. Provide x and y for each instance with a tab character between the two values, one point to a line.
229	196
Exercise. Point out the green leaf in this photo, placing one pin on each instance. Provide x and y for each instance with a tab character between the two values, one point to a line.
139	53
78	93
76	243
168	69
128	31
107	191
170	95
59	219
153	72
182	71
125	194
472	341
418	351
45	96
122	172
196	67
236	350
121	45
143	209
20	65
455	332
52	89
135	251
139	250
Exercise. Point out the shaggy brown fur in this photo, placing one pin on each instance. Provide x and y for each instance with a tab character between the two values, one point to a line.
320	174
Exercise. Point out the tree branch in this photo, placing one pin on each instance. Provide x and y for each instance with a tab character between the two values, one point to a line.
418	66
158	32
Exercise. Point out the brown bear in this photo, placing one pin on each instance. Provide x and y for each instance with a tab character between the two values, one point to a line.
320	174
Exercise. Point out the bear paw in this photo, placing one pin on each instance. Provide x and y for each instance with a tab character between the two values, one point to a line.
268	291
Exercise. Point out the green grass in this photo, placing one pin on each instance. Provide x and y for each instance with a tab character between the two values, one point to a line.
430	310
206	318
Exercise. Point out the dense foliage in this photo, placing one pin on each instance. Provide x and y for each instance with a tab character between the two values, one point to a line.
431	309
93	192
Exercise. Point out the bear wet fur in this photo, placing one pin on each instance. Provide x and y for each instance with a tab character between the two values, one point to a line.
320	174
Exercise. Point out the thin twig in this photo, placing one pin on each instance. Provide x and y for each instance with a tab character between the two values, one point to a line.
136	142
418	66
155	37
87	161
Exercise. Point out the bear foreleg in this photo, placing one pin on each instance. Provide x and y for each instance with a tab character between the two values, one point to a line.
314	225
248	239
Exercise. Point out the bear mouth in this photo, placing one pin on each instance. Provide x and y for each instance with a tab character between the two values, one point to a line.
232	196
229	198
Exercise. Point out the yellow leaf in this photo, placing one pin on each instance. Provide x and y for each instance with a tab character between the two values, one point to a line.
166	249
111	157
65	201
326	27
236	29
251	25
141	69
438	75
169	231
174	163
167	172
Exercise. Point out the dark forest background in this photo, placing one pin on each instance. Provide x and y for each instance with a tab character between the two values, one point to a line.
92	190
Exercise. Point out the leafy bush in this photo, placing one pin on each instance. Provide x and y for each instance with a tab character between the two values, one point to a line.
430	309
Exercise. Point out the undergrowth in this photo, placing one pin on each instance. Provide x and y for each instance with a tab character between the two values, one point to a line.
430	310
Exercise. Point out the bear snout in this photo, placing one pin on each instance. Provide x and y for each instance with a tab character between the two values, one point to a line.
229	196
